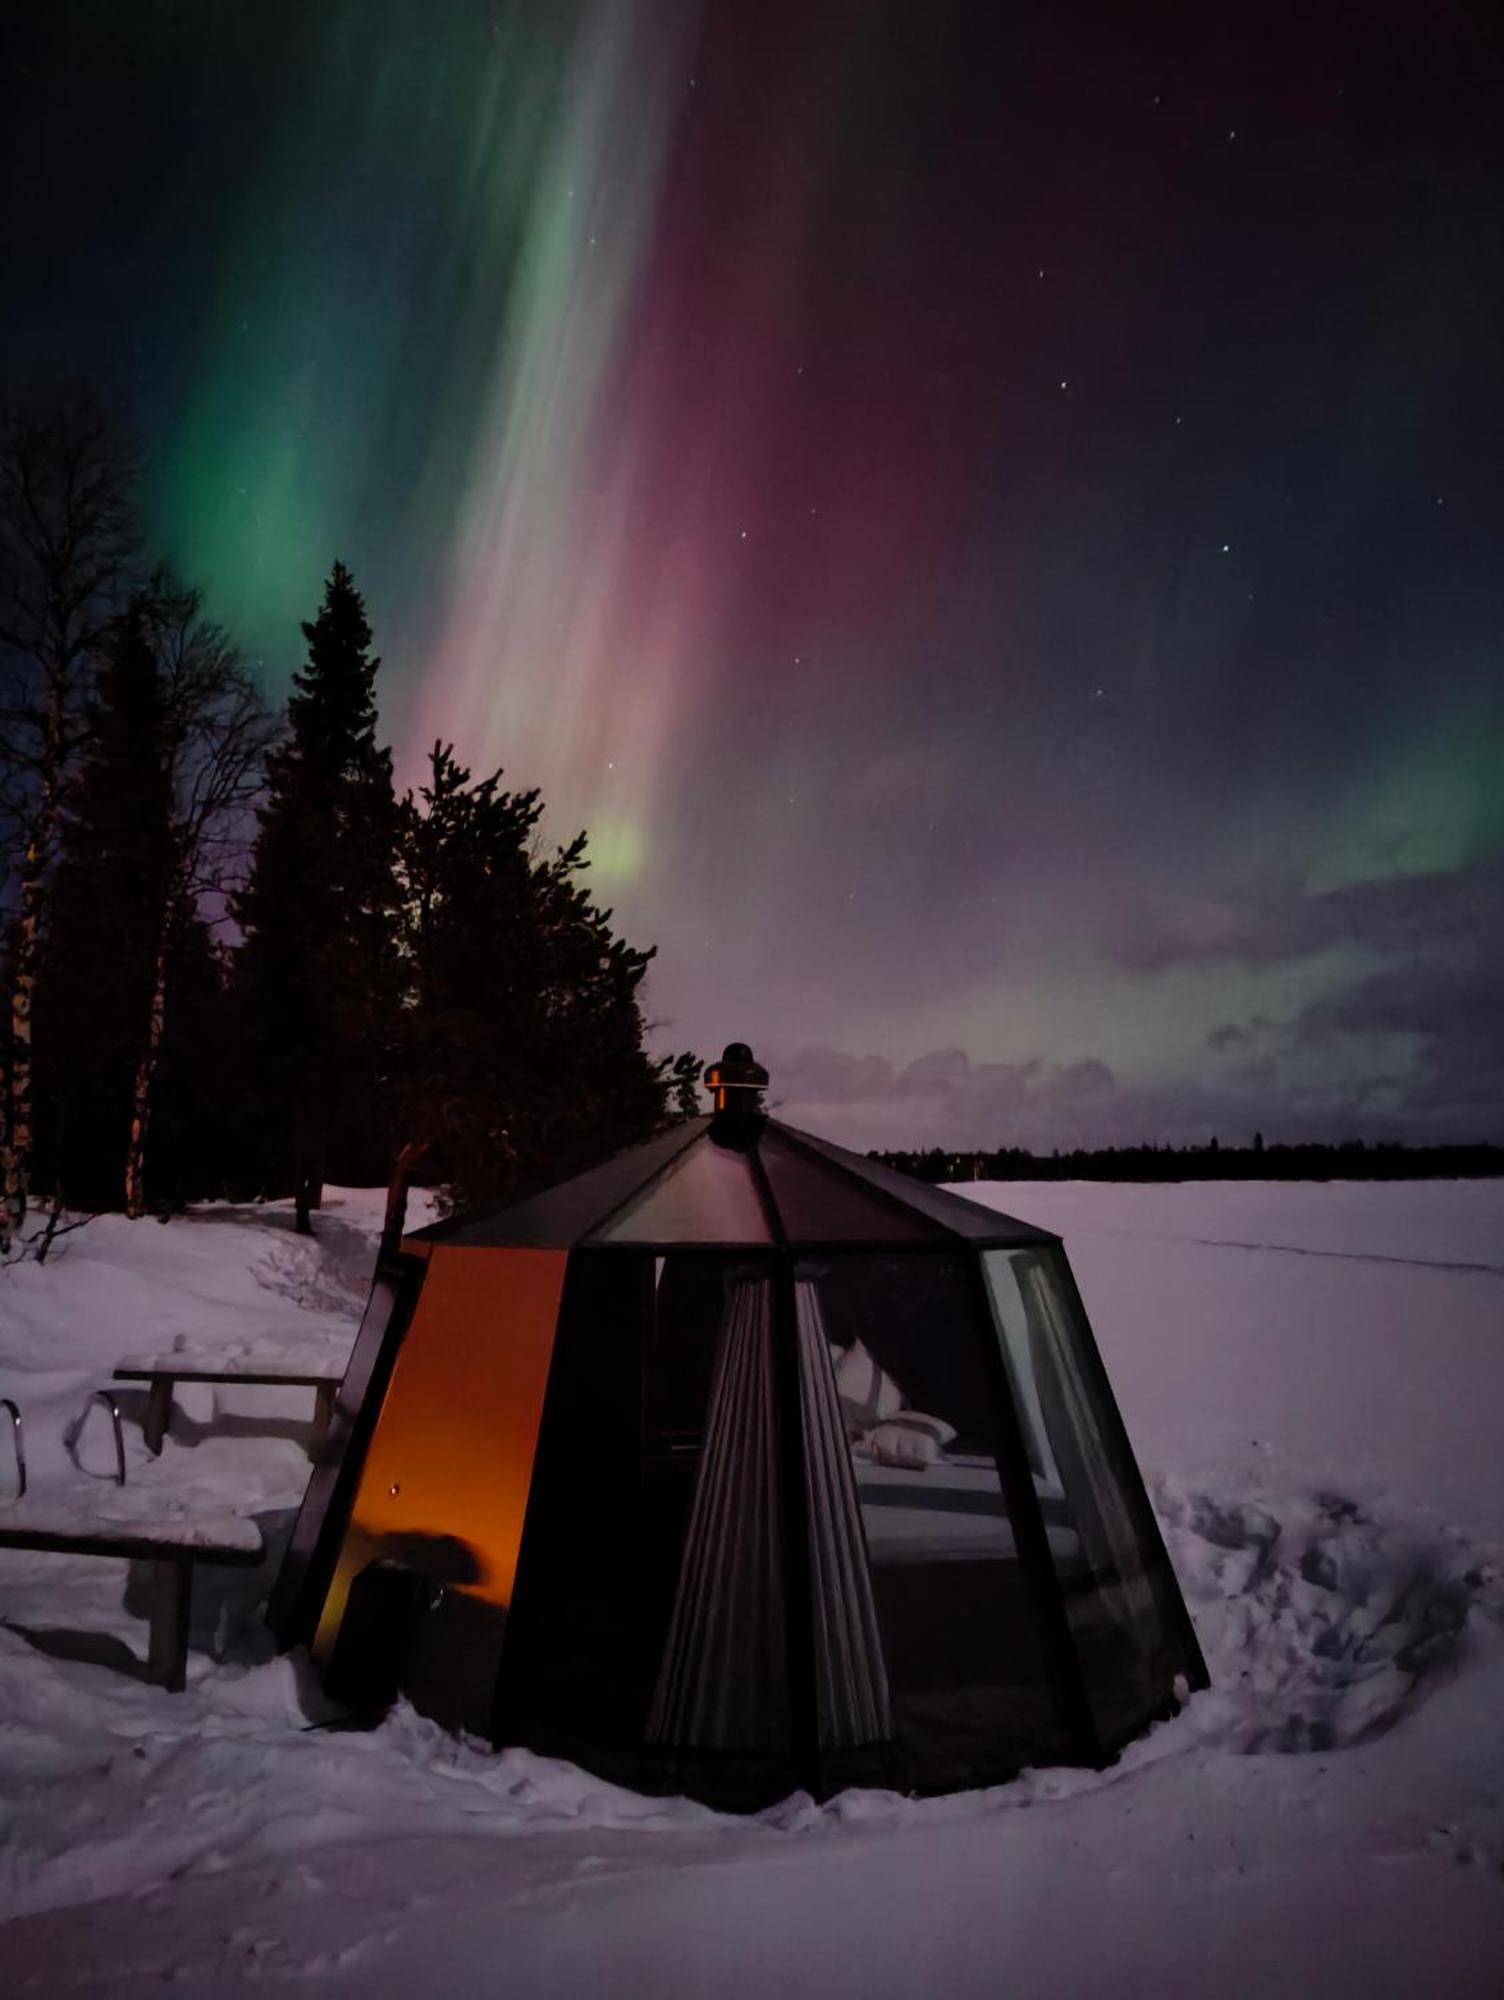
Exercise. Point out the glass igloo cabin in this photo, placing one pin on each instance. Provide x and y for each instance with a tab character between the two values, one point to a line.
737	1465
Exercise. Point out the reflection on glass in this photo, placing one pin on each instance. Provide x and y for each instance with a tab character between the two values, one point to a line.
817	1204
1111	1581
699	1405
707	1196
965	1682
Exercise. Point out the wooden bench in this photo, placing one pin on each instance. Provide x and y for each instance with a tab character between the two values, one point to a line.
162	1371
170	1547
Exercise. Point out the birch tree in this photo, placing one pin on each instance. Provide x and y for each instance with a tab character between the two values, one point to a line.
217	735
153	826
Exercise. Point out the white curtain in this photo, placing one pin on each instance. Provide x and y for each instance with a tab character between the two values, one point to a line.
851	1681
723	1684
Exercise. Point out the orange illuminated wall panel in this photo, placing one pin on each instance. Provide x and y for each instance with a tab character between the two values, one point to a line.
451	1459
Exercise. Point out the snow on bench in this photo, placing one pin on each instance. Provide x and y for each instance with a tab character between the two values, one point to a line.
186	1366
171	1546
314	1372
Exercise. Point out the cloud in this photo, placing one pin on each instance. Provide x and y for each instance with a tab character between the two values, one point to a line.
1390	914
945	1099
1332	1073
1410	1047
942	1093
1452	1007
1235	1037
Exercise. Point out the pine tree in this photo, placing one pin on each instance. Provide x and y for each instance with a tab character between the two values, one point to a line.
67	546
523	1060
469	955
317	974
589	1027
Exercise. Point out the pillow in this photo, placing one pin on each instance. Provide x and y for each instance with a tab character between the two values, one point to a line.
910	1439
868	1395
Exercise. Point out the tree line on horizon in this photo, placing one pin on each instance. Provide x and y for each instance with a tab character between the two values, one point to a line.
1344	1160
235	962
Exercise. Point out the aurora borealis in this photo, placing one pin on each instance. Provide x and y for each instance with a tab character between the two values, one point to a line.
989	514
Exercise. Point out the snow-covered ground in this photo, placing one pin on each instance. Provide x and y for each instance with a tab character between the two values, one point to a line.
1314	1379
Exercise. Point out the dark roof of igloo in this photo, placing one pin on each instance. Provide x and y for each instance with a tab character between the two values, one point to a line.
738	1183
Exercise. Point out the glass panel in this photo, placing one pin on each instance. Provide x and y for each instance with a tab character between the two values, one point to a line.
297	1597
574	1668
817	1203
708	1196
650	1604
966	1686
567	1213
1114	1584
946	1207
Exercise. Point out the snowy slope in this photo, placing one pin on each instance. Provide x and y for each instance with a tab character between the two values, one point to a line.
1314	1377
234	1281
1284	1330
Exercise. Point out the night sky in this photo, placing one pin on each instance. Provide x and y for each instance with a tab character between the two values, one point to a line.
992	515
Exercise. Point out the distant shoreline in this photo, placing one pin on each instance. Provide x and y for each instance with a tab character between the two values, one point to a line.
1351	1160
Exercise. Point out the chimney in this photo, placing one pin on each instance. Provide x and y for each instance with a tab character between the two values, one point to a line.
736	1084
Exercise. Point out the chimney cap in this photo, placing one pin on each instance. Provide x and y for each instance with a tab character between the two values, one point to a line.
738	1080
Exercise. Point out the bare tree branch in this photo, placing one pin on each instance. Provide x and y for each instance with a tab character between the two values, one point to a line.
218	735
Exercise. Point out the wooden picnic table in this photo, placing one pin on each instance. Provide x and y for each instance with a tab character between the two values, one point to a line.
163	1371
171	1547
